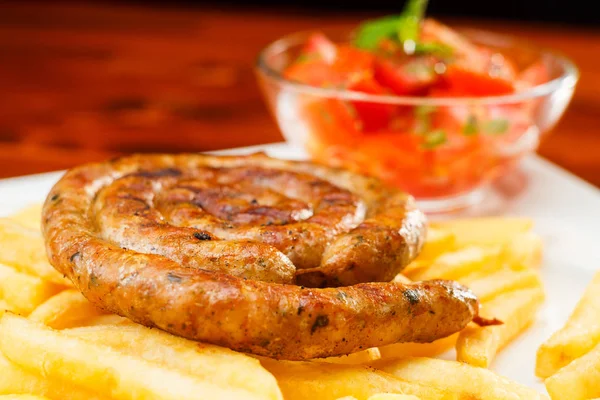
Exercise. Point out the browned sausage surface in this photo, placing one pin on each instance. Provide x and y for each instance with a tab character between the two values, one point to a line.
253	253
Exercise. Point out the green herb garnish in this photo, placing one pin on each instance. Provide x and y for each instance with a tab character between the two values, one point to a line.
423	119
471	126
401	28
496	126
434	139
437	49
370	33
409	22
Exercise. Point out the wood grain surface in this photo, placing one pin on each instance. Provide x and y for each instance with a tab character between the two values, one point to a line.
84	82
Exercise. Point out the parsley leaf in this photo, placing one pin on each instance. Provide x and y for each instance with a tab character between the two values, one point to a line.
438	49
471	127
496	126
434	139
409	23
370	33
423	118
404	28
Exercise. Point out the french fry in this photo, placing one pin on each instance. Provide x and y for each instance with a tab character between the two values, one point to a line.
23	292
66	310
580	334
465	381
488	286
402	350
14	379
524	249
100	368
456	264
478	346
309	380
438	241
401	278
384	396
108	319
360	357
4	306
30	216
24	250
484	231
22	397
579	380
227	368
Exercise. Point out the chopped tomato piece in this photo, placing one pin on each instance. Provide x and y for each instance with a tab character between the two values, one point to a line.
534	75
372	115
459	81
350	65
353	64
462	48
333	121
320	46
413	77
314	73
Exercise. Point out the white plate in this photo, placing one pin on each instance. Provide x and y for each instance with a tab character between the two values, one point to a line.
566	211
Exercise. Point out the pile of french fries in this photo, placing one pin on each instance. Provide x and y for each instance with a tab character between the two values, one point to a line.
54	344
569	360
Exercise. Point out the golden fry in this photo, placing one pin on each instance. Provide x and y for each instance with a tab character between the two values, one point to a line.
484	231
227	368
4	306
523	250
101	368
108	319
402	350
401	278
22	397
465	381
361	357
579	380
457	264
24	250
437	242
488	286
309	380
66	310
30	216
383	396
23	292
14	379
579	335
478	346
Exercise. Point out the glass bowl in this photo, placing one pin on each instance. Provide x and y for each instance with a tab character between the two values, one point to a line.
482	137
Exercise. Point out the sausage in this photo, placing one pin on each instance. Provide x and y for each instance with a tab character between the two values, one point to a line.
223	249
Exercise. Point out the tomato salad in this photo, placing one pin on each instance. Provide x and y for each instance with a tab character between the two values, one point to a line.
431	151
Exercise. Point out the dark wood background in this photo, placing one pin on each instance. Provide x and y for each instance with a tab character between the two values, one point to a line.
85	82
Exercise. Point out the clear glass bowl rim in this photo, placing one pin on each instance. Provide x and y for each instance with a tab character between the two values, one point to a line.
568	78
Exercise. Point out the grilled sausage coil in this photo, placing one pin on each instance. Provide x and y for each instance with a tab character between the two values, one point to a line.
272	257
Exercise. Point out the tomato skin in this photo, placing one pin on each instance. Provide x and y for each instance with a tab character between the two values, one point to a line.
314	72
464	82
534	75
332	122
412	78
373	116
320	46
353	64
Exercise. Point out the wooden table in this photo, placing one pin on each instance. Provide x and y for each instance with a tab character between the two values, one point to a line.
82	83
